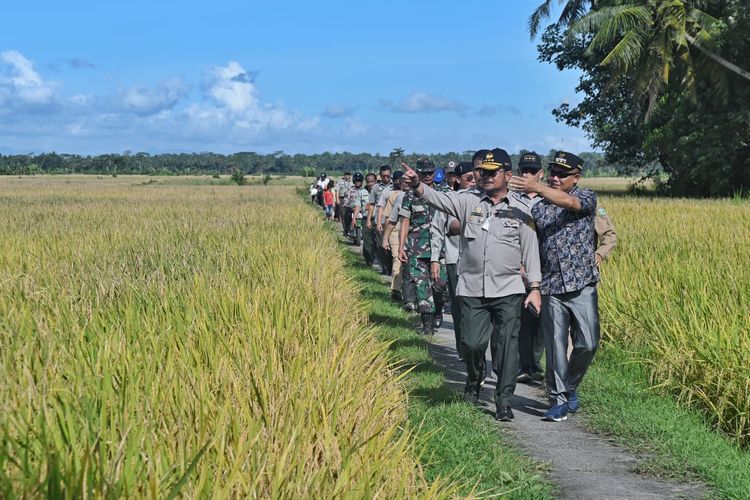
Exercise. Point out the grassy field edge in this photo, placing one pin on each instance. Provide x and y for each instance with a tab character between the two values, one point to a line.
673	441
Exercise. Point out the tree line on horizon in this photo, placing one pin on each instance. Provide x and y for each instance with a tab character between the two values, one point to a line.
246	163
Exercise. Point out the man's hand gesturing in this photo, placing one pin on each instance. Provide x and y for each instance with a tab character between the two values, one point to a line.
410	176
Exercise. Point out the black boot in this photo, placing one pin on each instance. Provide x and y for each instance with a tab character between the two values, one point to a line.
427	323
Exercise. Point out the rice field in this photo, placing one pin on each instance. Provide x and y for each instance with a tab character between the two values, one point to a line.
677	292
193	340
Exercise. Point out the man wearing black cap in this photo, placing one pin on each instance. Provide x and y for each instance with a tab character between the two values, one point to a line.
530	340
565	225
497	237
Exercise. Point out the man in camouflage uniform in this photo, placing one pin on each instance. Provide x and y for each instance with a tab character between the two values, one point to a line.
368	238
416	251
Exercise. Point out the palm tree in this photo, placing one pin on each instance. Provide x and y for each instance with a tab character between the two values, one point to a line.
647	40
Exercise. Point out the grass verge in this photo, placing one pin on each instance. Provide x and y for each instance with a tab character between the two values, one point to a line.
457	441
678	443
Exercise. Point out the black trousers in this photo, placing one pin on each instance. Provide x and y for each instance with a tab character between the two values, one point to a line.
497	321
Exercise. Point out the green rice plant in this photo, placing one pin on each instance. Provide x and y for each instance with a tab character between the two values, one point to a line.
193	341
677	291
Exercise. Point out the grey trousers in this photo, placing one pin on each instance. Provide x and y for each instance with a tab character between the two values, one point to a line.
579	313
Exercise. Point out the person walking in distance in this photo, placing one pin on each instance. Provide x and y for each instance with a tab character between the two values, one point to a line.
343	186
565	225
373	217
497	237
391	230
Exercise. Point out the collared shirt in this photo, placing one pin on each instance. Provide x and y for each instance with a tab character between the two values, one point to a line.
382	200
396	208
495	240
441	237
605	233
527	200
567	244
342	186
420	215
377	190
358	198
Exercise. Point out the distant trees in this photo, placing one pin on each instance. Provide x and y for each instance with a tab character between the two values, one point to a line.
243	163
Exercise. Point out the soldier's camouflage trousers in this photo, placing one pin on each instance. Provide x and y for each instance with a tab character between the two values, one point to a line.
431	294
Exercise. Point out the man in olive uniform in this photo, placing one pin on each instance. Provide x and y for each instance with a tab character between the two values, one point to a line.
368	233
358	196
530	340
373	216
605	235
416	251
342	189
497	238
449	235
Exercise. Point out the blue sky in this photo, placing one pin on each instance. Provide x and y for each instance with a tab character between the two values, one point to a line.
302	77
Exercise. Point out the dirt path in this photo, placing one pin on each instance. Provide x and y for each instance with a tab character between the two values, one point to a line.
581	465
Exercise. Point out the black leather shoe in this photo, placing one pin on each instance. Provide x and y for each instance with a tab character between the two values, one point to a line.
504	414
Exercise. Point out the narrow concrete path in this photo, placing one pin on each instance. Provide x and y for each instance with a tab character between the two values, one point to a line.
581	465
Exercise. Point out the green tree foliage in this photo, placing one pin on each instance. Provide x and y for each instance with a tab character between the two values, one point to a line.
663	84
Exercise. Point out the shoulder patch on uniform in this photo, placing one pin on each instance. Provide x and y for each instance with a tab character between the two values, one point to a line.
601	211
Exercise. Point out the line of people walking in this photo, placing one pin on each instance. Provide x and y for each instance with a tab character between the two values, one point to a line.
516	258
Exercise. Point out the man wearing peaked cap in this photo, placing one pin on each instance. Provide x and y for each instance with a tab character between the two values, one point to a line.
449	235
497	237
530	339
569	277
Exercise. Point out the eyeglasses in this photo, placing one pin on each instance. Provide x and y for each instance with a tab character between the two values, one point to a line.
560	174
427	173
529	170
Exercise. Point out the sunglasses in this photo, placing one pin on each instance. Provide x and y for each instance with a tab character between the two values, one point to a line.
560	174
529	170
427	172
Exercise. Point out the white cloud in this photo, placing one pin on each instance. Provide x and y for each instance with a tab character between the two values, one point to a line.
422	102
354	126
338	111
21	82
147	101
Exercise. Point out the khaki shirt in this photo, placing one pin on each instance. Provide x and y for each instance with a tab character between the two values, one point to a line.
495	241
605	233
